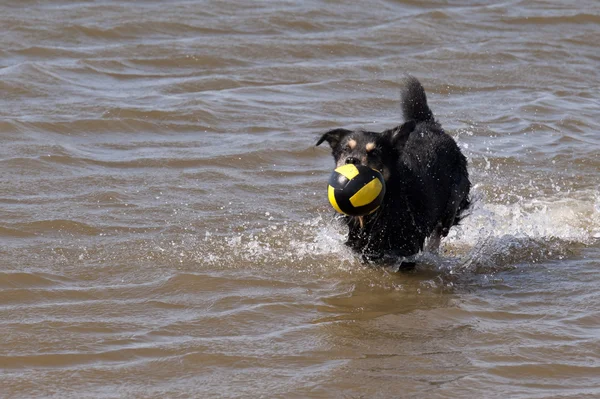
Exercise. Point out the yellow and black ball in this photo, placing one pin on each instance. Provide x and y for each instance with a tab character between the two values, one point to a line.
356	190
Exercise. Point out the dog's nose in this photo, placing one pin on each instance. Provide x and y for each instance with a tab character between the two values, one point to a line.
353	160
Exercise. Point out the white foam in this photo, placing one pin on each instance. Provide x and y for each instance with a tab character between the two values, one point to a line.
494	236
573	217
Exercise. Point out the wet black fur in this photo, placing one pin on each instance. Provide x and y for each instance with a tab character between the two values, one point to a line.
427	183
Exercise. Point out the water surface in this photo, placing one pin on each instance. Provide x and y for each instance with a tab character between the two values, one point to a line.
164	227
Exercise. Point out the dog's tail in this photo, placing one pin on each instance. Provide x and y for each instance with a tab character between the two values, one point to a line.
414	101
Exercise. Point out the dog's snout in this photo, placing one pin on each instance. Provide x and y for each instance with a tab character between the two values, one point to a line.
353	160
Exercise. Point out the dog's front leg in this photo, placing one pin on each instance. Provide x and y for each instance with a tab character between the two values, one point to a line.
435	239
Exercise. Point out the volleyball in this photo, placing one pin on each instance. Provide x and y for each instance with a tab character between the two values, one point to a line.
356	190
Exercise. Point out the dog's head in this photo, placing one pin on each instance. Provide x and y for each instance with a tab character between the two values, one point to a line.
378	151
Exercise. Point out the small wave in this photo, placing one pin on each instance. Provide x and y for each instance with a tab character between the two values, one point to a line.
69	358
131	30
8	232
51	52
24	279
554	19
111	124
56	225
157	115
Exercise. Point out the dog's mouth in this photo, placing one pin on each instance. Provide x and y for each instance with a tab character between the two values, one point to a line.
361	221
385	172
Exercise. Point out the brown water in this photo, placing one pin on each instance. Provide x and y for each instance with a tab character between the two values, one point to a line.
164	224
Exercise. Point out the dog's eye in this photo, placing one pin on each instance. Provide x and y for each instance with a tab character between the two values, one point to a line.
350	145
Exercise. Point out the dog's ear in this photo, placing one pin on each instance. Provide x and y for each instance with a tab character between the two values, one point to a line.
333	137
398	135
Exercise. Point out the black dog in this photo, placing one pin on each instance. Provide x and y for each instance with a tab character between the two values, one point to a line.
427	183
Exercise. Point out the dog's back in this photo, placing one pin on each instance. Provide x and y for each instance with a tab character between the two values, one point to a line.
436	181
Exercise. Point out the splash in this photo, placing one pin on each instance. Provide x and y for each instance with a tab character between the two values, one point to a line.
306	245
494	237
529	230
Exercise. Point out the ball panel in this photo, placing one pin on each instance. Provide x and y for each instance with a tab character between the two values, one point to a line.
332	200
367	194
350	171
